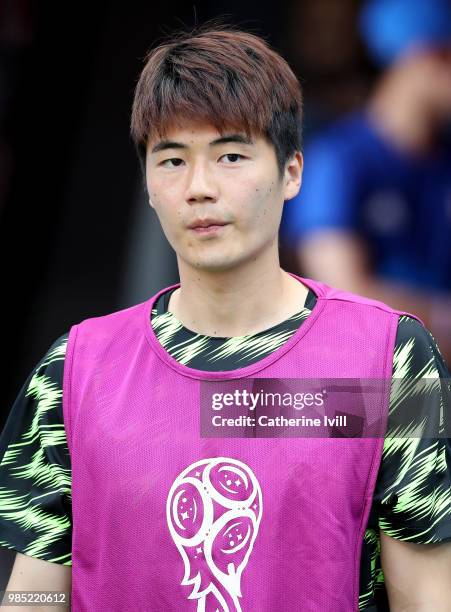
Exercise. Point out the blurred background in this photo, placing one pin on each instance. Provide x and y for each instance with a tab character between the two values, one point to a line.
78	238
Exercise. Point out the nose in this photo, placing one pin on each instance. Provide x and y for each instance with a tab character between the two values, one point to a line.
201	186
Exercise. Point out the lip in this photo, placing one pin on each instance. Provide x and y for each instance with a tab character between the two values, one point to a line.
204	223
209	229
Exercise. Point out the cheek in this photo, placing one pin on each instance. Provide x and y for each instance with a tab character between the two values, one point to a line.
173	226
262	205
163	201
160	188
163	212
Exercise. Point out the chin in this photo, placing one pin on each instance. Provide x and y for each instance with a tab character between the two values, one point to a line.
209	264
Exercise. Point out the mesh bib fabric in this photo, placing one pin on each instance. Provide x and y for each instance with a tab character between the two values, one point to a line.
165	520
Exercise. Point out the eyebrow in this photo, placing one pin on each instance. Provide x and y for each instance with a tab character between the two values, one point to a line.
168	144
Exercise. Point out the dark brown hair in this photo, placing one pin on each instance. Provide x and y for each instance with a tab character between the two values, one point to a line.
221	76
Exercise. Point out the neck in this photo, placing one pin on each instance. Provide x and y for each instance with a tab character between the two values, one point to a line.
236	302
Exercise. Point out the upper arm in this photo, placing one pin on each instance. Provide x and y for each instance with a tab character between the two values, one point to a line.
32	574
416	574
415	529
413	487
35	470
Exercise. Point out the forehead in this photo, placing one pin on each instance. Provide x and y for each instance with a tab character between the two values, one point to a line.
197	132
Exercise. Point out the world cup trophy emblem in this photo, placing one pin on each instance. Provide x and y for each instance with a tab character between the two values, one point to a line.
213	509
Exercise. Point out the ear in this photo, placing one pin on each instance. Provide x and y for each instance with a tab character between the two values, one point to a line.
293	175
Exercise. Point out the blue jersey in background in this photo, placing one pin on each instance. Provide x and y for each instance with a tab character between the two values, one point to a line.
400	204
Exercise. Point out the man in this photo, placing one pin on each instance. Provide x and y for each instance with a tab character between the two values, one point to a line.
105	470
374	214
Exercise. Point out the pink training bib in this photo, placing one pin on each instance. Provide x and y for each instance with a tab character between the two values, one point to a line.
164	520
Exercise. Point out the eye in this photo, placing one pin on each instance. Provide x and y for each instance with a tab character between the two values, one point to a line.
232	157
172	162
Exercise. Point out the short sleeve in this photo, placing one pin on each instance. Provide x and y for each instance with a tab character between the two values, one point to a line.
35	470
413	489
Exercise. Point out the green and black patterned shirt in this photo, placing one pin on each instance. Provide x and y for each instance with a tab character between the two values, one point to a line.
412	498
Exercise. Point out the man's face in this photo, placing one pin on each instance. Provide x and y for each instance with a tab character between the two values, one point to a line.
429	78
196	175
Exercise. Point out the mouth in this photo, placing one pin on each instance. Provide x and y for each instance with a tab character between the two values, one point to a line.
214	228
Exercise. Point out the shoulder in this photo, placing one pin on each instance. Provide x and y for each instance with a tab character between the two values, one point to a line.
55	353
115	317
416	351
100	330
331	293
